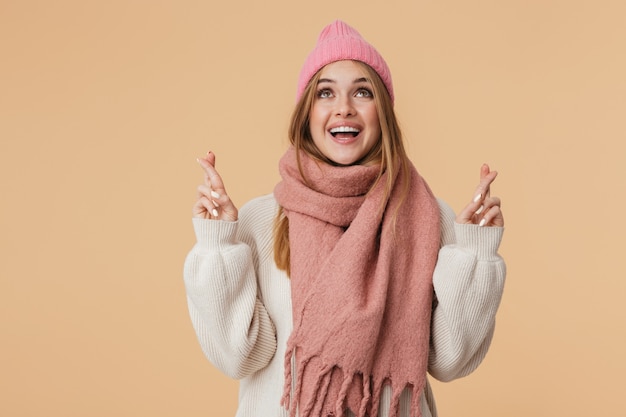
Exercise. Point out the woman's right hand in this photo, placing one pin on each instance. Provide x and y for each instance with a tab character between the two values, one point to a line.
213	201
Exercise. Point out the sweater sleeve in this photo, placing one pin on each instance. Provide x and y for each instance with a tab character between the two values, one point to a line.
232	325
468	281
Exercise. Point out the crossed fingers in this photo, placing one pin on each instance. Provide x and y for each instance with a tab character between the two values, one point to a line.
484	209
213	201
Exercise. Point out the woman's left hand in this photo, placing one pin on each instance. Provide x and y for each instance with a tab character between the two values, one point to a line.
483	210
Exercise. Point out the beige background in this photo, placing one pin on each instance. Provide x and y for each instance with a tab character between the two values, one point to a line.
104	107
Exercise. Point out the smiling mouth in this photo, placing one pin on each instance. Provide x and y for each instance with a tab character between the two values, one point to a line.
344	131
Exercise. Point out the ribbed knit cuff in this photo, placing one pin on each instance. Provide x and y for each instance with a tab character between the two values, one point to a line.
483	241
215	233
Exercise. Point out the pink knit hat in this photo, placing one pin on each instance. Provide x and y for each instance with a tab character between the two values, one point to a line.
337	42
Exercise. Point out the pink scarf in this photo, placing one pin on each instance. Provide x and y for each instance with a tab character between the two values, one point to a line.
361	291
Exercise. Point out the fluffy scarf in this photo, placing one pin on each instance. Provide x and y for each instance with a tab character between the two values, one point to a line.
361	286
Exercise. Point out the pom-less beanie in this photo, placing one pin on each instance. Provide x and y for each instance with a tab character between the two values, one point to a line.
337	42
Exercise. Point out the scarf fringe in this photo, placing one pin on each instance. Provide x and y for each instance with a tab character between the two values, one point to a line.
370	402
367	396
416	396
343	393
319	399
285	401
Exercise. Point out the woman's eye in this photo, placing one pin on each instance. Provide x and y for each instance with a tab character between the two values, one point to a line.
364	92
324	94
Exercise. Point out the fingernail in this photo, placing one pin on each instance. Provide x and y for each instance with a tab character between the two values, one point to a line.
480	209
214	194
477	198
482	222
215	213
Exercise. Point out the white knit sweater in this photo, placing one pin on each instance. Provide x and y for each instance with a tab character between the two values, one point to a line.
240	304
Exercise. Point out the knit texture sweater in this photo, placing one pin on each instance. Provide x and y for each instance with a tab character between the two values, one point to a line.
240	305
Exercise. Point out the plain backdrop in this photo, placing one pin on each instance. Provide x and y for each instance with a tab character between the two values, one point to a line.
105	105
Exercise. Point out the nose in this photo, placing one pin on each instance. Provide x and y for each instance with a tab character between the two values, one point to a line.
345	107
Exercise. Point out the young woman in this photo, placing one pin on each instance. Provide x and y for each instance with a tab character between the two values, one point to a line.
339	292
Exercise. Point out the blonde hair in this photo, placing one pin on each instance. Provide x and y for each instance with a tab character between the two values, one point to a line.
389	152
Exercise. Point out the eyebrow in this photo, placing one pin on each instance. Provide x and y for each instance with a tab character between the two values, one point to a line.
356	81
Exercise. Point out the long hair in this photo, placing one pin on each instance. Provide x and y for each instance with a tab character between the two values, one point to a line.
388	152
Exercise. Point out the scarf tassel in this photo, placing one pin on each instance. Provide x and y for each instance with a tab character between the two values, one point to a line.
285	401
314	405
416	395
323	391
369	402
394	405
367	396
343	392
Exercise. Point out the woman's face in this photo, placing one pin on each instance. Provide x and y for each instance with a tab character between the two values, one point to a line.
343	120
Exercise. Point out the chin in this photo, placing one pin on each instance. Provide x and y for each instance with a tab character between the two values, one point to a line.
345	161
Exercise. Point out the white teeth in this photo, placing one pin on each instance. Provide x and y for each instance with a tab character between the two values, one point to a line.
344	129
